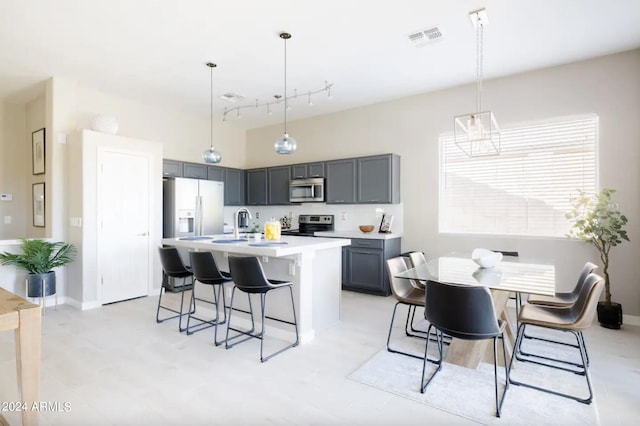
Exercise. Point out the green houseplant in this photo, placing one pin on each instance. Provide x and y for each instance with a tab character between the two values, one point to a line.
39	258
597	220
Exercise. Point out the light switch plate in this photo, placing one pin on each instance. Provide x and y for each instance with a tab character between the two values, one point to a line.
6	197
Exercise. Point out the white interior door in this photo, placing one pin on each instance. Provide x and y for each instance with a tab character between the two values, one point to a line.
123	225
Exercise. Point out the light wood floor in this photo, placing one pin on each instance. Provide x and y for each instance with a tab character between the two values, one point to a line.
116	366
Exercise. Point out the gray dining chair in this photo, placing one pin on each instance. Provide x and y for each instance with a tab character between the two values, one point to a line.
417	258
572	319
463	312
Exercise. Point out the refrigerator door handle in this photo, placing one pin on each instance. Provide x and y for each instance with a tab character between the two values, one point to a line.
198	227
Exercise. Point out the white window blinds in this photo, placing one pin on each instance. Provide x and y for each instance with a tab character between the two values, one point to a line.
526	189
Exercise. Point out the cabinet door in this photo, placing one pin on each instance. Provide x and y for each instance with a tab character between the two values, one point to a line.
298	171
171	168
194	171
375	179
257	187
316	169
215	173
234	184
366	271
341	182
279	178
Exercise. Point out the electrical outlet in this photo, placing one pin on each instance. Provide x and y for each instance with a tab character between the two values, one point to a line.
343	216
7	220
257	215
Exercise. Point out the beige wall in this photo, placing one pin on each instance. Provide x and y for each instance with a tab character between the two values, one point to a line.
15	166
608	86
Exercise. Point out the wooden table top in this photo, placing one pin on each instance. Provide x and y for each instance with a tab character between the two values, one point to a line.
10	305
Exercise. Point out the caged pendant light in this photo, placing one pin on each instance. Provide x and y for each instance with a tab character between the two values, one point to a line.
211	156
285	144
477	134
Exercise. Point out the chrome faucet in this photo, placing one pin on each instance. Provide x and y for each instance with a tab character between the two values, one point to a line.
236	232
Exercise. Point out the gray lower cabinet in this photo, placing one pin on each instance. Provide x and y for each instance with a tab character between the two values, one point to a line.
234	187
278	184
378	179
340	187
257	187
364	268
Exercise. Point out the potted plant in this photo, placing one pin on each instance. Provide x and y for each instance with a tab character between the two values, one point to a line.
597	220
39	258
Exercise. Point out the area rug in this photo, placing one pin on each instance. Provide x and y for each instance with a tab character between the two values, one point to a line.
469	393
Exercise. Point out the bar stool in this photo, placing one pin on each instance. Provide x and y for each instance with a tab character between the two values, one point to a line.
205	271
173	268
248	277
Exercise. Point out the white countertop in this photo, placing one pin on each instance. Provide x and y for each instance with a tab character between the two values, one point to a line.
289	245
357	234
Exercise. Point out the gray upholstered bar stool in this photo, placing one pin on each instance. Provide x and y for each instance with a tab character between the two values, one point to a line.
173	269
205	271
248	277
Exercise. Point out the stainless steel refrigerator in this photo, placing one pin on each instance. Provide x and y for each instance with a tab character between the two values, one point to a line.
192	207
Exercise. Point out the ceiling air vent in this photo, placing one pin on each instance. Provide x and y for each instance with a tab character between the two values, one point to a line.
231	97
426	36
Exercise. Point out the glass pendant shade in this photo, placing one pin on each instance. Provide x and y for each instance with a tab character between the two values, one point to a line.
285	144
477	134
211	156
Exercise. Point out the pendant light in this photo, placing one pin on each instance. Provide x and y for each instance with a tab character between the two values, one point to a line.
211	156
285	144
478	134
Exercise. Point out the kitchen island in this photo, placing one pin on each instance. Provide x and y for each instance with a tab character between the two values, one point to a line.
314	265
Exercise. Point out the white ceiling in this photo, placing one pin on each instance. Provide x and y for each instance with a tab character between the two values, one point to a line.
156	50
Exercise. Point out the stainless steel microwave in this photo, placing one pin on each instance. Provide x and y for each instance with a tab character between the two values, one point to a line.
306	190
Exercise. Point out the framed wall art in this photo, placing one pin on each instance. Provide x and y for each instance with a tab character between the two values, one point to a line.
38	204
37	151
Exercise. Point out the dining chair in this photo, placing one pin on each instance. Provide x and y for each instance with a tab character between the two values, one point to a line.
464	312
248	277
205	271
572	319
407	294
517	296
173	269
417	258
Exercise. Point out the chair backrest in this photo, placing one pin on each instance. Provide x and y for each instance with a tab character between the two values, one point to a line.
172	263
400	287
585	307
205	268
586	270
247	273
417	258
461	311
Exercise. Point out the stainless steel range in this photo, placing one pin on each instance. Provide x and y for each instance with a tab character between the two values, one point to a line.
310	223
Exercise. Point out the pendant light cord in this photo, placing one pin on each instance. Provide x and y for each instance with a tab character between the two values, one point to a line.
479	48
211	109
285	85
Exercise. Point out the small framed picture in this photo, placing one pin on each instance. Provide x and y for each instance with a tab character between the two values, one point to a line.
385	223
38	204
37	151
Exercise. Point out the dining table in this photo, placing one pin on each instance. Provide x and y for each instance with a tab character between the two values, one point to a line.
509	276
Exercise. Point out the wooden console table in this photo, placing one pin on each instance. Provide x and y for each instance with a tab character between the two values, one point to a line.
24	317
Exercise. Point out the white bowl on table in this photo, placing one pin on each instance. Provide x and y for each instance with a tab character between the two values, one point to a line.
486	258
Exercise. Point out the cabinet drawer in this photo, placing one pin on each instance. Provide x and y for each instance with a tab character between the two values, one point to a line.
367	243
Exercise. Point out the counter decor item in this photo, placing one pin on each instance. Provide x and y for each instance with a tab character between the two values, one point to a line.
272	229
366	228
39	258
385	223
486	258
597	220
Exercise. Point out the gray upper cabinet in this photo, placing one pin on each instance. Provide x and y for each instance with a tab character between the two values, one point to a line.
257	187
234	187
378	179
171	168
278	182
341	181
308	170
215	173
194	171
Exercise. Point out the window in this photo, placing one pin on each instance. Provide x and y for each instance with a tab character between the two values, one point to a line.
525	190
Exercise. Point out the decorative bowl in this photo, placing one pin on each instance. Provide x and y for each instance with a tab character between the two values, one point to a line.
486	258
366	228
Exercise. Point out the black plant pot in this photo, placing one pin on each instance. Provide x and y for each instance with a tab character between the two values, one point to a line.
610	316
36	283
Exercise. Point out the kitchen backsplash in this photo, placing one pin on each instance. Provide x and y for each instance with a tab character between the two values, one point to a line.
347	217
